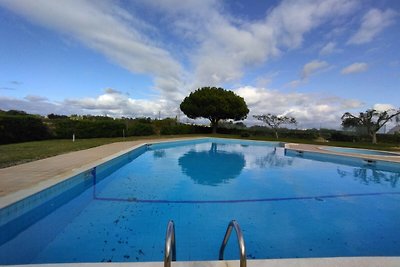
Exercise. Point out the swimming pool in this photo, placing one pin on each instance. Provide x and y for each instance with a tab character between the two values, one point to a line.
359	151
288	206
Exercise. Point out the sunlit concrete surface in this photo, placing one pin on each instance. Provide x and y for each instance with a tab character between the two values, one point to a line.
320	149
308	262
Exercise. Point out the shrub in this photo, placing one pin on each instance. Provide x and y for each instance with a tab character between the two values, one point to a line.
340	136
21	128
177	129
86	128
245	134
140	128
389	138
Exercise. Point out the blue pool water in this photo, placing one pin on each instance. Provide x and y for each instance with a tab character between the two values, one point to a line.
288	205
360	151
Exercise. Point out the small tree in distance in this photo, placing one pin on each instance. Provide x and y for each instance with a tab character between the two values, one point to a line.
274	121
372	120
214	104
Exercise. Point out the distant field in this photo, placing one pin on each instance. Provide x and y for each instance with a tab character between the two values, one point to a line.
14	154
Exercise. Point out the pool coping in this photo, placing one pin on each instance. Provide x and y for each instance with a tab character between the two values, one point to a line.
297	262
320	149
388	153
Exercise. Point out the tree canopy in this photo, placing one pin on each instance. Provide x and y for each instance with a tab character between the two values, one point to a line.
371	120
214	104
274	121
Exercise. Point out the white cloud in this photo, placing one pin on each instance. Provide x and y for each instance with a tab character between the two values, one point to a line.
310	110
222	46
35	98
108	29
216	47
328	49
372	23
111	102
355	68
115	103
383	107
313	67
309	69
34	107
294	83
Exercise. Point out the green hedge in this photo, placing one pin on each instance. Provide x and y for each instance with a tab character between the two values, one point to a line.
87	129
389	138
21	128
17	126
177	129
139	128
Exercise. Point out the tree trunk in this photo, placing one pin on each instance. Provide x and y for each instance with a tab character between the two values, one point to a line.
276	134
374	141
214	125
214	128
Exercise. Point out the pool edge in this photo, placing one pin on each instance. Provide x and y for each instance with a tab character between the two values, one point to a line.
318	149
297	262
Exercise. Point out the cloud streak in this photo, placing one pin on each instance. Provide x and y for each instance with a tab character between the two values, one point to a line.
313	67
309	69
108	29
220	47
328	49
372	23
223	47
355	68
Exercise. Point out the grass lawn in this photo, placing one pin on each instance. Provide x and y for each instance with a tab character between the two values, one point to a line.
13	154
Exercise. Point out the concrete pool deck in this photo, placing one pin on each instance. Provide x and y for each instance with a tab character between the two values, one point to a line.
320	149
20	181
305	262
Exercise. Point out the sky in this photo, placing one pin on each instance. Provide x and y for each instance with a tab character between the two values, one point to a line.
312	60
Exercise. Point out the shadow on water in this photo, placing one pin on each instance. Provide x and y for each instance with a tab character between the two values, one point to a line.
158	154
371	176
212	167
273	160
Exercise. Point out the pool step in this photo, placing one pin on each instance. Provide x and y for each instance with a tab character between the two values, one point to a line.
170	247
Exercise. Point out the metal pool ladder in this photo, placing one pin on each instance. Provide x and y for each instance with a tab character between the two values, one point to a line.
242	247
170	248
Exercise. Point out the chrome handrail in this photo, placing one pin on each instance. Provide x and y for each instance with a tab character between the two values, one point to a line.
242	248
170	245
